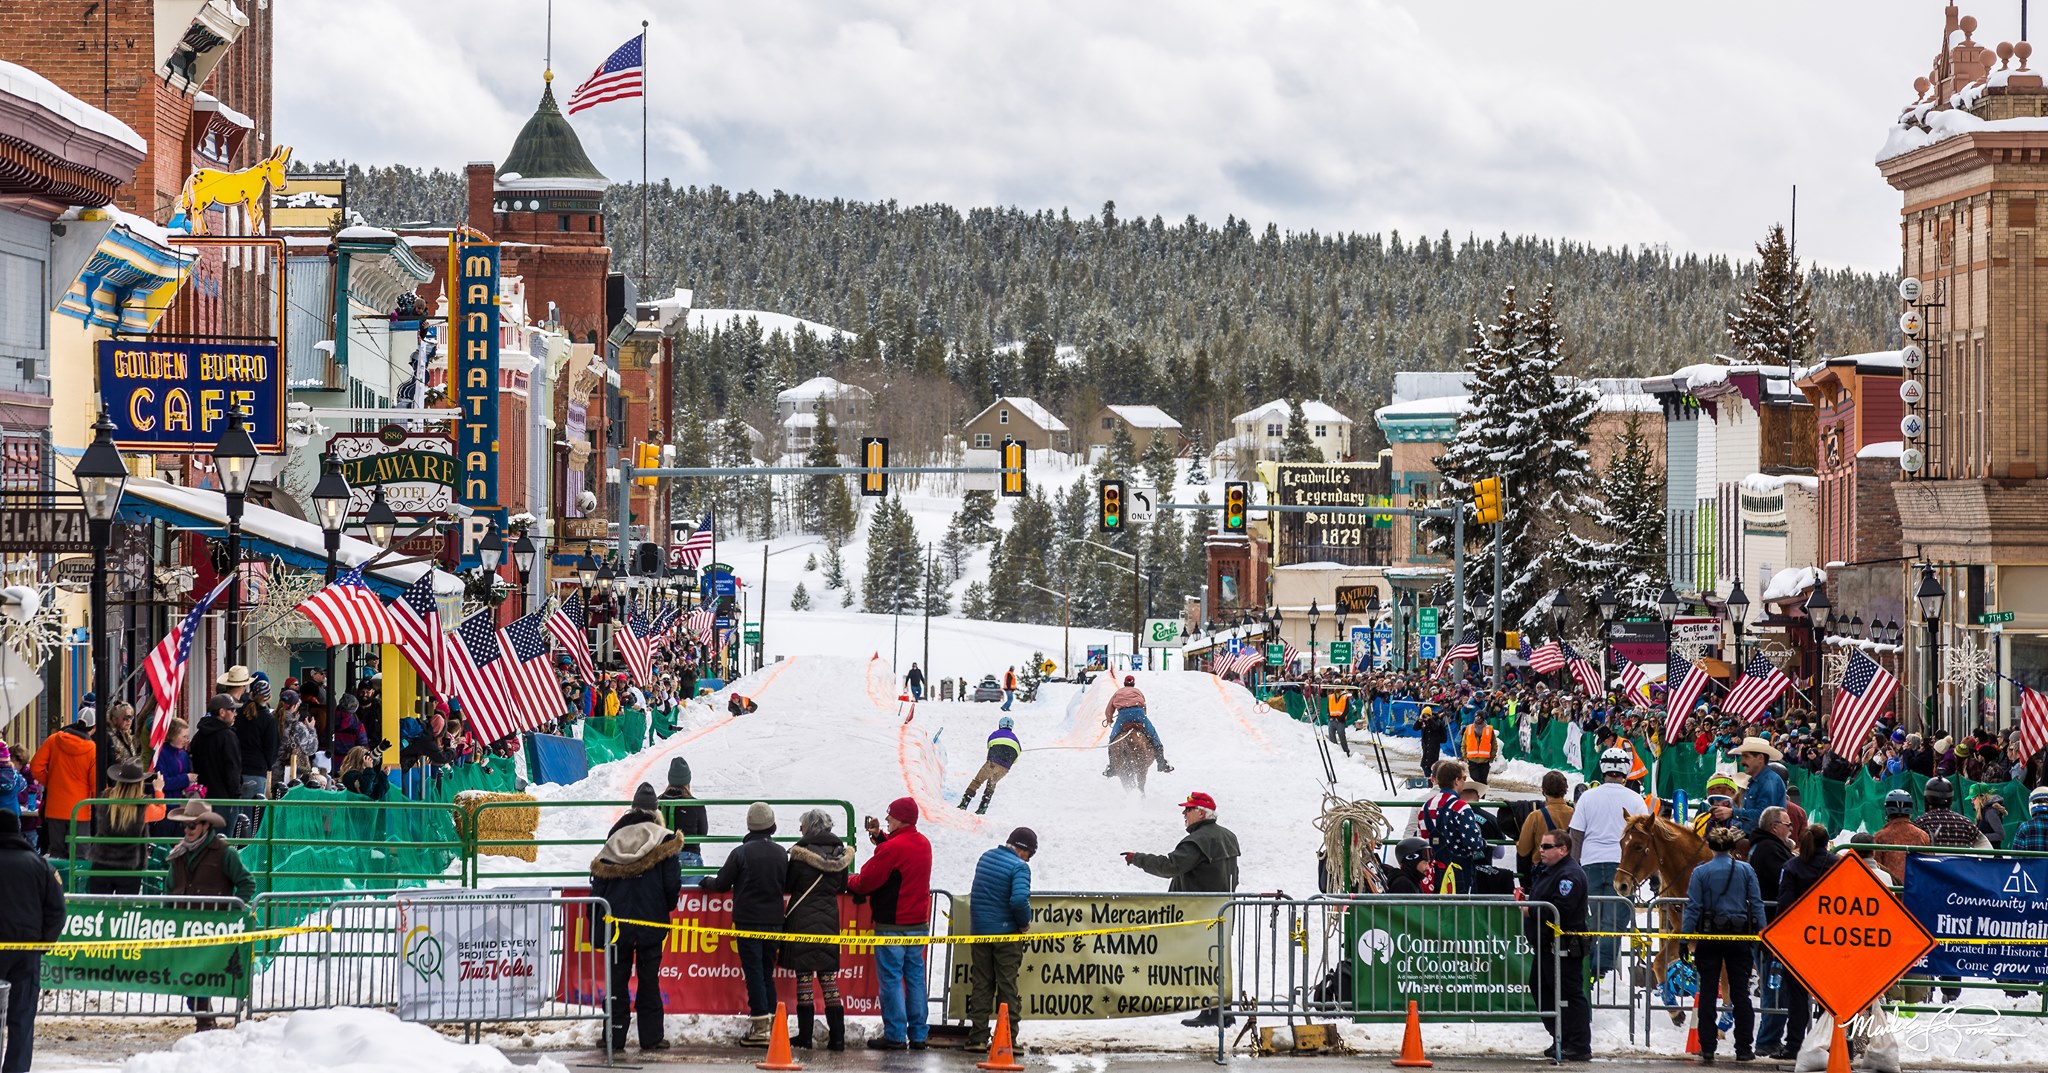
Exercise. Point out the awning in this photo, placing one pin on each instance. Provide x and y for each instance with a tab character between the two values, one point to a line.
271	532
1715	668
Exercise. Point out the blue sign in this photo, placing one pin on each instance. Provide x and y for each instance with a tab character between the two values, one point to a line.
722	623
1980	898
476	374
718	583
175	397
1427	643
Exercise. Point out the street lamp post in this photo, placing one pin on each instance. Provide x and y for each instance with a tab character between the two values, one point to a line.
1818	611
1560	616
102	477
523	556
330	504
605	578
1314	614
1405	612
234	457
490	554
1667	609
1372	625
1608	603
1929	596
1738	615
1343	632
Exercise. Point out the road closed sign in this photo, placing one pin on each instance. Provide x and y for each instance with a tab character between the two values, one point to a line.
1847	938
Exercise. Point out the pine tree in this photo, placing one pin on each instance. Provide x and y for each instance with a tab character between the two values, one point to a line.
800	599
693	449
835	568
1774	325
1198	475
977	516
846	597
810	562
826	507
1297	446
1159	463
952	552
938	598
1630	555
974	601
1120	457
894	560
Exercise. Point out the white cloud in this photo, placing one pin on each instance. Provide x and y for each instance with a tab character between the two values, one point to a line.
1637	124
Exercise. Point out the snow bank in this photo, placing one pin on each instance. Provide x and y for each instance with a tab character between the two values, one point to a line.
1763	484
709	319
1792	581
334	1041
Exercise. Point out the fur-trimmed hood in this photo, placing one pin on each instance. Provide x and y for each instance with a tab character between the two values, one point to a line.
839	861
631	851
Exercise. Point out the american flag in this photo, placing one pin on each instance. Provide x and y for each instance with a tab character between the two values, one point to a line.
1635	681
702	621
476	676
416	621
1865	693
1546	659
635	640
347	612
566	625
530	681
166	666
622	74
1582	671
1687	680
2033	729
1466	649
698	544
1761	684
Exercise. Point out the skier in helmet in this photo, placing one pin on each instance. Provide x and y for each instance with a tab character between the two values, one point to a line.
1411	860
1003	750
1898	830
1127	705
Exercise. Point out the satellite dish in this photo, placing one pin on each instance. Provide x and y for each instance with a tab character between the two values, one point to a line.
586	501
20	603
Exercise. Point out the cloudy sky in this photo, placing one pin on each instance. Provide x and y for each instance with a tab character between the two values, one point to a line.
1679	124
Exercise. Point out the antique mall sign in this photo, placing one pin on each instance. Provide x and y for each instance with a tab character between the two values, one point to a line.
416	470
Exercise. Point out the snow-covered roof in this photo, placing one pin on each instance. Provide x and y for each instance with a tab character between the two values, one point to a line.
1144	416
30	86
1433	406
1226	447
805	419
1885	449
1311	410
207	102
708	319
1416	386
1938	126
817	387
1876	359
365	231
1031	411
1770	483
1792	581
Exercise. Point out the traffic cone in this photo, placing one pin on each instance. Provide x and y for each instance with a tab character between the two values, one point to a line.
1411	1042
778	1044
1000	1054
1692	1030
1838	1051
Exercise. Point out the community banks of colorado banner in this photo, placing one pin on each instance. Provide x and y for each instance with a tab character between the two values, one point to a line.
1124	973
473	955
701	973
168	970
1981	898
1447	957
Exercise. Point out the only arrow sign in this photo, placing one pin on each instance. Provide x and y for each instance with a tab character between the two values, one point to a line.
1140	509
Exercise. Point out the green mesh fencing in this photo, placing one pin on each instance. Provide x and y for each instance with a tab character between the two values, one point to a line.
336	840
609	738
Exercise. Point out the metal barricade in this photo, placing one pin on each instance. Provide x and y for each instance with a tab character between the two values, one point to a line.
568	858
394	952
60	999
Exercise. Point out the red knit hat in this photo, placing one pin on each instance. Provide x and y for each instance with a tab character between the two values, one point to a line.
1199	799
903	810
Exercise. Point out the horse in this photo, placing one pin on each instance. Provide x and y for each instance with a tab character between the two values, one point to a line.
248	188
1652	846
1130	756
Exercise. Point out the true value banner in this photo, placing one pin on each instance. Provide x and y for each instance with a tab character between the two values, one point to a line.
1981	898
1136	955
221	970
467	955
1448	956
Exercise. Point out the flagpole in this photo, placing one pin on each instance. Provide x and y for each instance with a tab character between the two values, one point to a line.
645	71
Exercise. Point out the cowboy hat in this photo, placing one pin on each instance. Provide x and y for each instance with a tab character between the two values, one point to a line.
237	675
195	811
127	774
1755	744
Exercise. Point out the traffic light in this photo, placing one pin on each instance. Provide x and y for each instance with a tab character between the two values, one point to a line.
1486	500
1013	467
874	454
1237	496
1110	503
647	456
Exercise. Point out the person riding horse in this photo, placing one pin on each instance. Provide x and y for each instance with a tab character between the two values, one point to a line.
1128	707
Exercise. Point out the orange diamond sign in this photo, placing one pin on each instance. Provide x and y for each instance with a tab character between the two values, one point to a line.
1847	938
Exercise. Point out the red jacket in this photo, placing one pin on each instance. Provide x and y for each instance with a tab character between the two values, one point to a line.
897	880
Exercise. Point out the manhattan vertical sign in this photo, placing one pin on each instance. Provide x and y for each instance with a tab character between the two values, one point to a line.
476	374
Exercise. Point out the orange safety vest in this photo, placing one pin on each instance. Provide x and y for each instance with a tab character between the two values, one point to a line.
1636	770
1479	746
1009	679
1337	706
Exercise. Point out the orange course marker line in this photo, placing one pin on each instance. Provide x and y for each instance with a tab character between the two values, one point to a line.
671	744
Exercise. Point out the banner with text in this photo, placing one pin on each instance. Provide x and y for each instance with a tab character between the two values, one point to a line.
185	970
1124	974
475	383
1452	957
701	973
470	955
1981	898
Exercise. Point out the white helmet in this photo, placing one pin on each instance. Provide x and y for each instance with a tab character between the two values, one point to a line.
1615	762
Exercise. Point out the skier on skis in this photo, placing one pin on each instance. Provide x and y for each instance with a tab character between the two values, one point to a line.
1003	750
1128	706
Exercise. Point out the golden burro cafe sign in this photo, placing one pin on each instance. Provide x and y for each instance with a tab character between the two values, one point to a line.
175	397
475	379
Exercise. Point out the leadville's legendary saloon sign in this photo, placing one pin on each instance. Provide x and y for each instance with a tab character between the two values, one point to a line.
35	523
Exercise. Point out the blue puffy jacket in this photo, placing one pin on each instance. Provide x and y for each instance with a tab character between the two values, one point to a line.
1002	893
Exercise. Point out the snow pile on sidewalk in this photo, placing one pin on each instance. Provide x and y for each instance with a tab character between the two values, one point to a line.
331	1041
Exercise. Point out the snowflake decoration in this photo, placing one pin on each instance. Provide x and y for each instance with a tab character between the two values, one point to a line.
1833	666
1689	651
44	634
1966	665
284	589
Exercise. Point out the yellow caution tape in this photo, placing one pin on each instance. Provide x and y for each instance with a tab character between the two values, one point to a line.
110	946
1688	937
850	939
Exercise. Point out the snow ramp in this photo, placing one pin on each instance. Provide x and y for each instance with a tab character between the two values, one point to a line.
834	727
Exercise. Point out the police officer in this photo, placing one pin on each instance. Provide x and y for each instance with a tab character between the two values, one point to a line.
1560	881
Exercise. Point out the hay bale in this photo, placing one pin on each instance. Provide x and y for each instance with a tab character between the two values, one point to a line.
501	823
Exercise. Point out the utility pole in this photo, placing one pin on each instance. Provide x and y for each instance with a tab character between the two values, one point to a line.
761	626
931	564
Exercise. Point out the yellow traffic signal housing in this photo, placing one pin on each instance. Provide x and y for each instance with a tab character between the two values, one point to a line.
1013	467
647	456
1486	501
874	455
1109	501
1237	496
